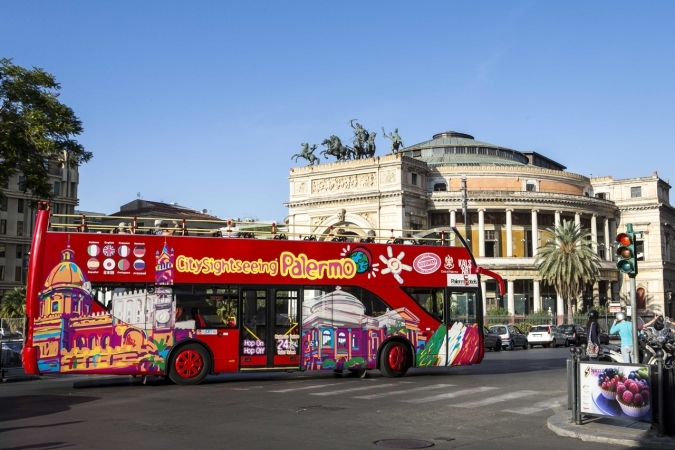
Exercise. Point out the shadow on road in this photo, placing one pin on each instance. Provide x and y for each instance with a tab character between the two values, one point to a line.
26	406
42	446
5	430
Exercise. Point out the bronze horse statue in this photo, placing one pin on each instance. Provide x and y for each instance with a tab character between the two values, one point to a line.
308	154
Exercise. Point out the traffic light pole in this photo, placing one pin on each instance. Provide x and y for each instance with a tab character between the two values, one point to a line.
634	318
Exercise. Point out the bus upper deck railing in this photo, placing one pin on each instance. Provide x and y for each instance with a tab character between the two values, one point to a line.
252	230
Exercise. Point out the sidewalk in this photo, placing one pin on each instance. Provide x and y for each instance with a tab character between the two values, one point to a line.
609	431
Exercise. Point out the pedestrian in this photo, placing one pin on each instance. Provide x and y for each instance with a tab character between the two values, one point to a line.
625	330
593	345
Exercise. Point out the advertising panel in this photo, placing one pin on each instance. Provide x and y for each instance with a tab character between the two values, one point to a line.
616	390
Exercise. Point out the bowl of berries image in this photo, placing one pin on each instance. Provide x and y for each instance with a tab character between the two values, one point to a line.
633	396
608	381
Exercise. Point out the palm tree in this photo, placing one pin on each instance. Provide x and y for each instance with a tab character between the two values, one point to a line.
568	261
13	304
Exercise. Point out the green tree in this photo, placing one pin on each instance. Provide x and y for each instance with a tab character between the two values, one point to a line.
13	304
568	262
35	128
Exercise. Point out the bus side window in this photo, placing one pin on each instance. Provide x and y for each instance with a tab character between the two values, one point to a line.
463	306
432	300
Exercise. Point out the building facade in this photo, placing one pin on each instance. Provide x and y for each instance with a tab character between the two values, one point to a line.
17	220
512	198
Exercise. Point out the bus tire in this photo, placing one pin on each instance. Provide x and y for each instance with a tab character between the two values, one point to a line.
395	359
190	365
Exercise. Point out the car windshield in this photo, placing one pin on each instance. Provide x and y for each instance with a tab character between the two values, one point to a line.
498	330
566	328
539	329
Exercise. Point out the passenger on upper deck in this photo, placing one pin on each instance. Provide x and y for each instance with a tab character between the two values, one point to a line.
122	228
162	230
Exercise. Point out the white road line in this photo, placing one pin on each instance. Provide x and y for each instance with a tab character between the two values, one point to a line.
540	406
314	386
434	398
342	391
387	394
497	399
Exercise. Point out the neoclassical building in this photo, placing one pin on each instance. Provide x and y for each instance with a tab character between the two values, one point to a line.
512	198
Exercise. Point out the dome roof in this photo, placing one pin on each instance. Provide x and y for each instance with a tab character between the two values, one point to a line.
451	148
66	274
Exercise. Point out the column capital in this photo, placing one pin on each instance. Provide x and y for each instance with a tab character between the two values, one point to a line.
509	209
557	211
594	215
577	213
535	210
481	209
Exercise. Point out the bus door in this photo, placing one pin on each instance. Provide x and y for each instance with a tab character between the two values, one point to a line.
462	307
270	334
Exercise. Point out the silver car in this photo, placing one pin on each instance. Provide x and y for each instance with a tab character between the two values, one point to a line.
511	336
547	336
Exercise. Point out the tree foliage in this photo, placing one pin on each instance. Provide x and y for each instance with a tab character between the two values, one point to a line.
13	304
568	261
35	128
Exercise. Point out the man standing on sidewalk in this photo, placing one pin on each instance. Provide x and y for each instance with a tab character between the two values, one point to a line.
625	330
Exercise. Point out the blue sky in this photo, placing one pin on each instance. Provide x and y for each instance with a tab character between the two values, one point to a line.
203	103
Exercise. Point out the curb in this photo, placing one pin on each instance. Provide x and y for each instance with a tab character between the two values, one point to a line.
562	425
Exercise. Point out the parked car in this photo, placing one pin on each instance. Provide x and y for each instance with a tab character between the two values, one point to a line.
491	341
547	336
5	332
576	334
511	336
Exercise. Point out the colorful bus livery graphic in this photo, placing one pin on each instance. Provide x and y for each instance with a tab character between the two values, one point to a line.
135	338
189	306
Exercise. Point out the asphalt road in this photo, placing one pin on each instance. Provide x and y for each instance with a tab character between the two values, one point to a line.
502	403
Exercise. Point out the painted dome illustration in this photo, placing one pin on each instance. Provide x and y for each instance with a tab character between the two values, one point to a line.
66	274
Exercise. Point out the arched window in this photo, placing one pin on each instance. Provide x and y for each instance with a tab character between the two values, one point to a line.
55	306
80	342
342	339
355	341
105	342
326	338
93	342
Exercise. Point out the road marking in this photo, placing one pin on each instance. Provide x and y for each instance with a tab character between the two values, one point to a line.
497	399
540	406
434	398
342	391
387	394
314	386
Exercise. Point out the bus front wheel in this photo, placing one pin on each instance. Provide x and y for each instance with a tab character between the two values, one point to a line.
190	365
394	360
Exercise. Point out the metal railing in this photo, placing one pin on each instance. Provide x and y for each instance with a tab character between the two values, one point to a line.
258	230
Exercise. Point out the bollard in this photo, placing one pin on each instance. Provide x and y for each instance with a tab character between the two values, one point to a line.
574	384
577	391
660	391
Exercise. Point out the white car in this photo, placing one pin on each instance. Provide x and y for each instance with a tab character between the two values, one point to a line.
546	335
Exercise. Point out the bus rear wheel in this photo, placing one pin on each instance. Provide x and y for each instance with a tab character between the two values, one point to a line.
190	365
394	360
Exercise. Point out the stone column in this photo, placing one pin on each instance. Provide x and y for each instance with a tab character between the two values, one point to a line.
577	219
536	295
481	233
596	294
608	247
483	288
511	299
453	222
594	232
535	234
557	218
609	292
560	306
509	233
612	233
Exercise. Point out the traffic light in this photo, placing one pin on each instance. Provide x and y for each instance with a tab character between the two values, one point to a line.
626	252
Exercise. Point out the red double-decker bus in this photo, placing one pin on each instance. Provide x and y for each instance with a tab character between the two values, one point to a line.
188	306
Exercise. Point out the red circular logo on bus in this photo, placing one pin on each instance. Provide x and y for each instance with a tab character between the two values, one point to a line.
427	263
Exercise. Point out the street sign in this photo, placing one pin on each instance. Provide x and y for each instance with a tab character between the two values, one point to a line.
615	307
